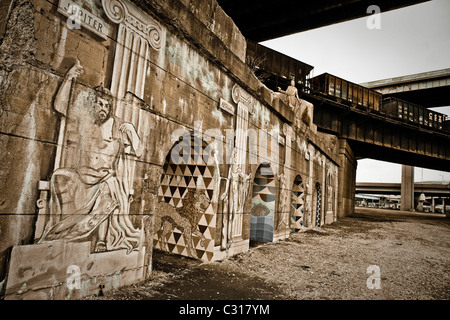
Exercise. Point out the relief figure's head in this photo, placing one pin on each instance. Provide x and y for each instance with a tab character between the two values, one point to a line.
103	105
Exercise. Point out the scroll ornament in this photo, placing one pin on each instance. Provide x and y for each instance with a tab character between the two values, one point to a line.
118	11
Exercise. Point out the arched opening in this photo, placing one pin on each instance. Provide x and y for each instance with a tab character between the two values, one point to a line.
185	219
298	198
263	204
318	205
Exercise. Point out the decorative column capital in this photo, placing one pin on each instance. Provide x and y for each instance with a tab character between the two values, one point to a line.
116	10
123	12
241	96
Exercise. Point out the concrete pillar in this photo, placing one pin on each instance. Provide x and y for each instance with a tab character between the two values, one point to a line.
432	204
407	188
347	180
444	209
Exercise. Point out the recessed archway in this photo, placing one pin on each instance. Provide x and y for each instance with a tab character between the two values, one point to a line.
263	204
185	220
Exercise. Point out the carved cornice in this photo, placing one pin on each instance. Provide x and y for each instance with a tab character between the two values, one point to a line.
123	12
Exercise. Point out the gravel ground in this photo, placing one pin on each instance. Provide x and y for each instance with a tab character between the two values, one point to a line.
411	250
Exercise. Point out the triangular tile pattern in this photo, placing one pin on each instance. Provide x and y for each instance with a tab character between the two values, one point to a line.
264	190
190	171
298	196
318	204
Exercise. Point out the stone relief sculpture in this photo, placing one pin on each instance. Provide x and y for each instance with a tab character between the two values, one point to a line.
293	100
284	203
93	199
329	198
184	218
236	191
291	95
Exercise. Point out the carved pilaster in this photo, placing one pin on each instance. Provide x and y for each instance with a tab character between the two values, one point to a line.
244	102
137	34
290	136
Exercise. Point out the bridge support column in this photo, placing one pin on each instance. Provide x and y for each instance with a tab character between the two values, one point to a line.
445	210
407	188
347	180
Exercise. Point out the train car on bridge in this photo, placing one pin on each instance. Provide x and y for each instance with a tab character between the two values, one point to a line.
414	114
275	69
346	92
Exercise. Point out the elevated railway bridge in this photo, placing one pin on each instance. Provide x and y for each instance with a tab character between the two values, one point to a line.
372	132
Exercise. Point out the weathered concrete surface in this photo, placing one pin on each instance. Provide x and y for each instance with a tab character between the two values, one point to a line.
95	122
64	270
329	263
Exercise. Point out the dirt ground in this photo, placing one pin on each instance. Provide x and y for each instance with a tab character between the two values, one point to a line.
411	250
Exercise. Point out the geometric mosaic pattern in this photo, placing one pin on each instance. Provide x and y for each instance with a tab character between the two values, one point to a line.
318	204
188	171
263	204
298	198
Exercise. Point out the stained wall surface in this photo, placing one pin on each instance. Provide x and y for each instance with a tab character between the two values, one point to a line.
128	125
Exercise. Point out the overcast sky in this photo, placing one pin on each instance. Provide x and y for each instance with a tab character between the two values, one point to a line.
410	40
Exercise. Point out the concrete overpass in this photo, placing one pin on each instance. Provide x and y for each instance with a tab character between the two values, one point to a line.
261	20
430	189
428	89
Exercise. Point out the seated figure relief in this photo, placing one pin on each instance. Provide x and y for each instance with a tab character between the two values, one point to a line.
295	103
92	199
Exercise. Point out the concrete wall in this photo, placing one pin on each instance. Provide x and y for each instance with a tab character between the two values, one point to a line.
82	190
